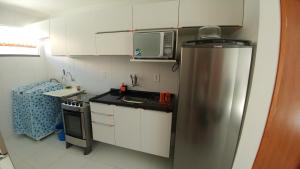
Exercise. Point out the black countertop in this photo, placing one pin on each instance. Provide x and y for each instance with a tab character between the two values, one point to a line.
150	100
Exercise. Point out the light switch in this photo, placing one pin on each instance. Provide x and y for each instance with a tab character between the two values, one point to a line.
156	77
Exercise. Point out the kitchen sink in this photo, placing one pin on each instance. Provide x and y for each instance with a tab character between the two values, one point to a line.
132	99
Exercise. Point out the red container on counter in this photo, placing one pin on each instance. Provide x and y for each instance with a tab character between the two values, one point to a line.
165	98
123	88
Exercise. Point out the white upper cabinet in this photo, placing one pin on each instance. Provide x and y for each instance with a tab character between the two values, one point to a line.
156	132
58	36
155	15
80	34
118	43
75	34
116	18
41	29
127	127
211	12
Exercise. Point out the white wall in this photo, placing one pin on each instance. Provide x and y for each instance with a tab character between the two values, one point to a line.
17	16
16	71
263	77
97	74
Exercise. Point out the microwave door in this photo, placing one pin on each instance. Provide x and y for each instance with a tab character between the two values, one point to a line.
147	45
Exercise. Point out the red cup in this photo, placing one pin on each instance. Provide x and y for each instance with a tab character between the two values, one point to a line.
165	98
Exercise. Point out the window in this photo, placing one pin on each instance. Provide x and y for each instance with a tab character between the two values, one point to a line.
17	41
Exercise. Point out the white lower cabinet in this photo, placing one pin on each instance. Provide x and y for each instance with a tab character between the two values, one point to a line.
156	132
104	132
103	124
103	118
127	130
138	129
104	109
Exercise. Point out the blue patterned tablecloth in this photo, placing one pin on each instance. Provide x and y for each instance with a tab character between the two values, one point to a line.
35	114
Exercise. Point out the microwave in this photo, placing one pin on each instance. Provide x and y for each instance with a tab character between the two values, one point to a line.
154	44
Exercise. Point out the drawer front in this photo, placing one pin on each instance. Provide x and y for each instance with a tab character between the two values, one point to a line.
102	108
103	132
103	118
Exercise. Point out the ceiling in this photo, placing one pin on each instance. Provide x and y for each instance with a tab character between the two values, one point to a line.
54	7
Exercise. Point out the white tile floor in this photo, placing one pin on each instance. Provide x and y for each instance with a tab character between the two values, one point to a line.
51	154
5	163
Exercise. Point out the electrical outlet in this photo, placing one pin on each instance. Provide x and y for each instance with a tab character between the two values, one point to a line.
156	77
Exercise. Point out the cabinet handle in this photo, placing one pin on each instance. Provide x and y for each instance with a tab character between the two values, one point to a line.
104	114
109	125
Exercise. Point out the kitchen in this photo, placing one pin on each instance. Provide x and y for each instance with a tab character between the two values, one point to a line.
98	55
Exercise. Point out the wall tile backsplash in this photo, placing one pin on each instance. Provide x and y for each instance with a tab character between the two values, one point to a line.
97	74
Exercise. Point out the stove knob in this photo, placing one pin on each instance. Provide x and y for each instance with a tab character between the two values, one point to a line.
77	104
81	104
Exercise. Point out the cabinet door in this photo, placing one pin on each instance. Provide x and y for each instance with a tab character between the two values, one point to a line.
100	108
156	15
115	18
119	43
40	28
103	132
58	36
127	127
80	34
156	132
103	122
210	12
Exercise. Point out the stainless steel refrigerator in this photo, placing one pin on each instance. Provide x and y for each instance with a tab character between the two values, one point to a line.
214	77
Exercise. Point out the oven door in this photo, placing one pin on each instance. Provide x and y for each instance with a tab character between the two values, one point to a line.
74	124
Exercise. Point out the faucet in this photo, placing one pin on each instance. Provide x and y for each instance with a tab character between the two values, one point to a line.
134	80
70	75
65	76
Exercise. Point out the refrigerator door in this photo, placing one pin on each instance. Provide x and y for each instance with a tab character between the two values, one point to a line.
213	90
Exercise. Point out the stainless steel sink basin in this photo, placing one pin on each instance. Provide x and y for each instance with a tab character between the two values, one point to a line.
130	99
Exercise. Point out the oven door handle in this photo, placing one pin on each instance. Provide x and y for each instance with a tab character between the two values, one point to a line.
104	114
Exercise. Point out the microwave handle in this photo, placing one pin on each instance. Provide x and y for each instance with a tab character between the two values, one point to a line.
161	51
